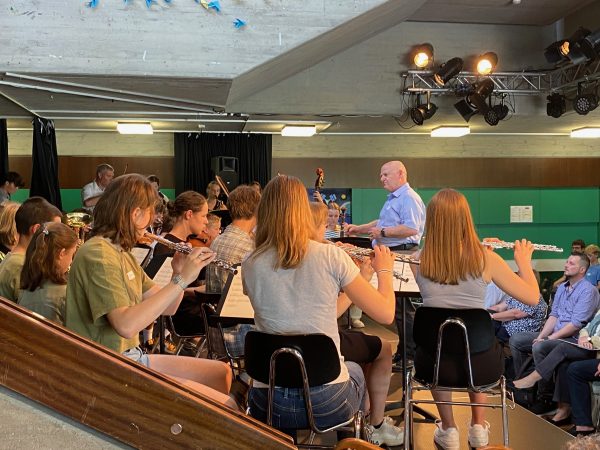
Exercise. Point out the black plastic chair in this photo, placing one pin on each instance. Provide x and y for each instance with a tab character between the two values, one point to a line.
296	361
453	337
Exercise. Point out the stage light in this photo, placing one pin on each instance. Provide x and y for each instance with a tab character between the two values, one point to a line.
298	131
134	128
423	111
586	132
556	106
483	90
423	56
501	111
590	45
465	110
450	131
486	63
447	71
572	48
584	103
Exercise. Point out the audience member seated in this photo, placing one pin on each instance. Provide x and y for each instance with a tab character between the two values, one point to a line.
579	376
28	218
91	192
9	184
454	271
8	229
371	352
575	303
512	316
293	283
593	274
577	246
45	271
213	191
110	299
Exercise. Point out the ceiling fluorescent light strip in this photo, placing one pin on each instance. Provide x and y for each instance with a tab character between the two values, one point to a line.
298	131
586	132
450	131
134	128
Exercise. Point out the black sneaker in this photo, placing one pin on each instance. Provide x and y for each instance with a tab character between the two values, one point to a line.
574	432
543	406
397	363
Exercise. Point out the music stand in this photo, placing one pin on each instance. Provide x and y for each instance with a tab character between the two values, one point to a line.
404	296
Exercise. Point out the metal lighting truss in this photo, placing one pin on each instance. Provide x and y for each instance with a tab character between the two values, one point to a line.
516	83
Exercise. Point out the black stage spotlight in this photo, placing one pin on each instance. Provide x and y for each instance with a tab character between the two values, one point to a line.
584	103
447	71
483	90
590	45
423	55
571	48
556	106
465	110
486	63
501	111
422	111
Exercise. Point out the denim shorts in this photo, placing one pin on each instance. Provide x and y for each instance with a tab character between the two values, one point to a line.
137	354
332	403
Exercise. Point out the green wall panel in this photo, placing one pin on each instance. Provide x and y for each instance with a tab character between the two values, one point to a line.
569	205
495	204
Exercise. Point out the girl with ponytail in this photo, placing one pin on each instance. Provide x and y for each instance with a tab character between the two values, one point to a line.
44	273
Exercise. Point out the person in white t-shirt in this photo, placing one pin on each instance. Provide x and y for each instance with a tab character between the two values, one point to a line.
91	192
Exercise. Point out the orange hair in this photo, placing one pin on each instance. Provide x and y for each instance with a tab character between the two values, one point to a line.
452	250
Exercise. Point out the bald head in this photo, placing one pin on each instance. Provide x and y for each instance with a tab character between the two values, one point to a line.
393	175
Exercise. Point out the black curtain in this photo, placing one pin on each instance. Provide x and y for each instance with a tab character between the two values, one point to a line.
44	173
193	152
3	148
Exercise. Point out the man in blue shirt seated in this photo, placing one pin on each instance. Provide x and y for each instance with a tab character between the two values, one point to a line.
593	274
575	303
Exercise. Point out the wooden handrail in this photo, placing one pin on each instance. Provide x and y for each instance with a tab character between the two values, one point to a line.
112	394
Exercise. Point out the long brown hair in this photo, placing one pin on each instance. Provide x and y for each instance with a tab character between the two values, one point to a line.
452	250
8	226
284	221
112	213
42	254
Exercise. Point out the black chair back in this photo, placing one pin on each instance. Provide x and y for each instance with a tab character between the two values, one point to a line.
479	325
318	351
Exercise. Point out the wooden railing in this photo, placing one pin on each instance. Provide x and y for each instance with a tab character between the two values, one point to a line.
105	391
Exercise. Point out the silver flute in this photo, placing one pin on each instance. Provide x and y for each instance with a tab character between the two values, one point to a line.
360	252
186	249
539	247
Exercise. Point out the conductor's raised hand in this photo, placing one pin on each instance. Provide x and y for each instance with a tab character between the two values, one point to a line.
523	251
383	259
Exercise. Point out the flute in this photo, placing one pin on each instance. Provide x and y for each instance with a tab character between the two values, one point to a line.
359	252
540	247
182	248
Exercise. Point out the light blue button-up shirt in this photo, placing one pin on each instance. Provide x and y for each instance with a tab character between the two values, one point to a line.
402	207
575	303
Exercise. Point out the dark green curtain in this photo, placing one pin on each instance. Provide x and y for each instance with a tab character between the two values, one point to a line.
193	153
44	173
3	148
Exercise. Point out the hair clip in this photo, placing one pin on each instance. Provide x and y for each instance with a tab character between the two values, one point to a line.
45	231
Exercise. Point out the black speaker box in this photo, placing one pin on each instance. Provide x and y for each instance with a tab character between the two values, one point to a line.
227	168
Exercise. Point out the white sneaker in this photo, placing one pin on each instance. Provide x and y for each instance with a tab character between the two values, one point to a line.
447	439
387	433
357	323
479	435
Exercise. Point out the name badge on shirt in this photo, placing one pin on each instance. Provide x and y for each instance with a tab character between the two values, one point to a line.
130	275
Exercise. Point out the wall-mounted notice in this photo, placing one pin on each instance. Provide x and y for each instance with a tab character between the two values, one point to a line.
521	214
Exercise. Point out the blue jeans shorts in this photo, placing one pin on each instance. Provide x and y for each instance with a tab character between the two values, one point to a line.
332	403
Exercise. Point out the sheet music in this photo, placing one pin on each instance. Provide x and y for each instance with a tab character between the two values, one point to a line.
236	303
140	254
399	285
165	273
576	344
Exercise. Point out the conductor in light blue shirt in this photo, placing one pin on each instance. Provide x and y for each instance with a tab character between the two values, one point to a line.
400	227
402	218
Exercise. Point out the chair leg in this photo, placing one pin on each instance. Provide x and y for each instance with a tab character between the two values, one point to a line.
358	424
504	410
408	412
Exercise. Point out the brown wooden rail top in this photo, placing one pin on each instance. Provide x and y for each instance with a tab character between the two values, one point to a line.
106	391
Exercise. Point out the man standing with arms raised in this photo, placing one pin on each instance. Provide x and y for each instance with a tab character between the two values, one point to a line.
400	227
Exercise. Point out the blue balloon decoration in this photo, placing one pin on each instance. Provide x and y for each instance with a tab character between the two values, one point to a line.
92	3
239	23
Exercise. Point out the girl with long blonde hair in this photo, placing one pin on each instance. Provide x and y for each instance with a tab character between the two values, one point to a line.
293	283
454	271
